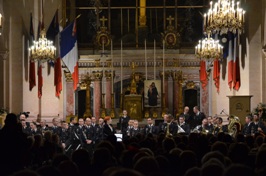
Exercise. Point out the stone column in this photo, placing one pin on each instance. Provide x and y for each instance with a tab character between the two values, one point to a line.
175	92
97	92
108	89
86	83
69	93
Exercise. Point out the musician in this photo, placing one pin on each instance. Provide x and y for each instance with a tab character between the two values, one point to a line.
77	138
197	118
55	129
98	131
186	114
249	127
168	121
123	122
43	126
65	133
136	128
203	128
129	128
34	130
89	132
108	128
185	129
210	124
150	127
25	128
220	127
259	126
72	123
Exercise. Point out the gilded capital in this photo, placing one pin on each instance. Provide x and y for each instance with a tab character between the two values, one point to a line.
97	75
167	74
108	74
68	76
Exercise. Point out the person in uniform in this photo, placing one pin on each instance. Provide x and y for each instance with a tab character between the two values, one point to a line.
219	128
259	126
123	122
183	125
249	127
197	118
150	128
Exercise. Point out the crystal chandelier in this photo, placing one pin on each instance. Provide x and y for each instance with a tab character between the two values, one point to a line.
43	49
209	49
224	16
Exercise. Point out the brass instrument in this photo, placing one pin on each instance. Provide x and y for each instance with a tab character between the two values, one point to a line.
217	129
234	125
168	134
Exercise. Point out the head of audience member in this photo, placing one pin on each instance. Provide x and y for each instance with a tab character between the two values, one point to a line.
196	109
93	120
248	119
186	110
149	121
81	122
101	121
124	113
209	118
88	121
136	124
55	121
181	120
11	120
108	120
64	125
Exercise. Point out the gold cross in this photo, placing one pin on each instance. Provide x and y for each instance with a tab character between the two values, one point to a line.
170	19
103	19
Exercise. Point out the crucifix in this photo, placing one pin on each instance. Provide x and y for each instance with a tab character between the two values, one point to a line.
103	19
170	19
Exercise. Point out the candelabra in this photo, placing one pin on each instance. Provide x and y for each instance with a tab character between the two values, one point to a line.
208	49
224	16
43	49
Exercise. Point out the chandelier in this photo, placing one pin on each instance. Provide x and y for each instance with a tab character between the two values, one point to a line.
209	49
224	16
43	49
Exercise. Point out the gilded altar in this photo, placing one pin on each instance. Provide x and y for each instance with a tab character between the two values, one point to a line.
133	105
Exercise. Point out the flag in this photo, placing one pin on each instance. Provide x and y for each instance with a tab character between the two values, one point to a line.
236	69
32	77
230	59
53	34
58	77
69	50
203	75
40	79
216	74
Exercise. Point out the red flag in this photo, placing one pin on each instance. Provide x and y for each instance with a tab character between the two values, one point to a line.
40	80
230	60
32	75
203	75
216	74
58	77
236	74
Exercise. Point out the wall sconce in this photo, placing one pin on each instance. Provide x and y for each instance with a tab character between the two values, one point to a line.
0	24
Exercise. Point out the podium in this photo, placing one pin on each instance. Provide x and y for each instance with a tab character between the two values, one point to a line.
240	106
133	105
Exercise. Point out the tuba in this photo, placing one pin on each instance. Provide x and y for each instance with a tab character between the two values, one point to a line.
234	125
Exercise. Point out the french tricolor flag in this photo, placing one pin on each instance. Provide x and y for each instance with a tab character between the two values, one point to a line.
69	50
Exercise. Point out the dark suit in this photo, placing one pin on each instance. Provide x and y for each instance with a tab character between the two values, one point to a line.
56	130
98	133
123	124
172	128
186	128
136	131
34	132
259	124
187	117
248	129
108	130
150	129
196	120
